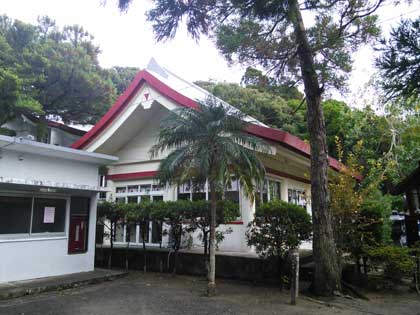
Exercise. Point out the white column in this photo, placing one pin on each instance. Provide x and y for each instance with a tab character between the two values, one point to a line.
170	193
137	233
284	189
92	230
247	208
308	200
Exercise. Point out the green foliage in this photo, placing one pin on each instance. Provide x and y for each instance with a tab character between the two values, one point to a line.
121	77
7	132
262	103
226	211
109	211
399	64
54	72
360	210
277	228
181	216
395	261
209	144
12	100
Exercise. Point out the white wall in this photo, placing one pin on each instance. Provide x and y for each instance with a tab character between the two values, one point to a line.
62	138
44	256
41	168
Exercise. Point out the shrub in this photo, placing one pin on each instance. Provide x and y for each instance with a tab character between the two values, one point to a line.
395	261
277	228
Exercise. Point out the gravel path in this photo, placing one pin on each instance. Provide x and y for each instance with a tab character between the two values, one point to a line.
153	293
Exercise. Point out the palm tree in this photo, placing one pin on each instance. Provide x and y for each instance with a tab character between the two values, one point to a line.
210	144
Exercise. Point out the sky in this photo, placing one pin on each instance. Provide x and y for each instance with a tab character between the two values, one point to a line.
126	39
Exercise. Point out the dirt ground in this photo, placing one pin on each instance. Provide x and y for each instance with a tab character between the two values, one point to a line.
154	293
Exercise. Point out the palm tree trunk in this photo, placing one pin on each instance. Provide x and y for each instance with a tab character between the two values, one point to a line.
112	232
211	287
206	252
327	268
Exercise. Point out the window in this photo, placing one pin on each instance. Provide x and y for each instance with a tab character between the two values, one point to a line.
144	231
132	199
120	200
132	189
232	192
144	198
15	215
275	190
156	232
264	192
121	190
157	187
297	197
79	206
184	196
102	183
131	233
184	192
157	198
49	215
198	196
119	233
145	188
268	190
26	215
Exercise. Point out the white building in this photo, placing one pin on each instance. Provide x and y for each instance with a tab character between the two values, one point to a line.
130	128
52	132
48	197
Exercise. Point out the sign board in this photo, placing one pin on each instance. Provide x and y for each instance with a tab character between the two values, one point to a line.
49	214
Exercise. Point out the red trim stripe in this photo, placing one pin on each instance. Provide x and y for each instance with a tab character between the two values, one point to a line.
136	175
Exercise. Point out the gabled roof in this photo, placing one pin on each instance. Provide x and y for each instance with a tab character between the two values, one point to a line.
185	94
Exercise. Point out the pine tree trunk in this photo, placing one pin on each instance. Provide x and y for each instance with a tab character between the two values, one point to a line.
211	287
327	269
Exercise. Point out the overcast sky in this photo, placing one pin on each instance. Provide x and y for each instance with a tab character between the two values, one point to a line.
126	39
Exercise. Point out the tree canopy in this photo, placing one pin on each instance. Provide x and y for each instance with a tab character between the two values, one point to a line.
399	63
54	72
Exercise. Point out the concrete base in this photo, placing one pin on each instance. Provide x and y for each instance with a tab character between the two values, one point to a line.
16	289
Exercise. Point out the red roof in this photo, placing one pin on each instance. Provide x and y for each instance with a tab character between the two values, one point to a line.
281	137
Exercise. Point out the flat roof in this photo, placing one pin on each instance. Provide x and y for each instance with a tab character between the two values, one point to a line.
20	144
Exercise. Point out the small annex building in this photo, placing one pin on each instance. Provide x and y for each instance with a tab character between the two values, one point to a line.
130	128
48	197
46	131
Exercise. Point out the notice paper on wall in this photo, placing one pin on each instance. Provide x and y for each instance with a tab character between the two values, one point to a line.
49	214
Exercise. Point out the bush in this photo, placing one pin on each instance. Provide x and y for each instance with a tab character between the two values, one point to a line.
277	228
395	261
7	132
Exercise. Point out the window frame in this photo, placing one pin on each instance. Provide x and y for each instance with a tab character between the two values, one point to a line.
151	193
41	235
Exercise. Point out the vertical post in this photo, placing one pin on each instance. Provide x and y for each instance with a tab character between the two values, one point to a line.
294	288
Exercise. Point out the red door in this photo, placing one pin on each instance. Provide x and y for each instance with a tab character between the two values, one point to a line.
77	234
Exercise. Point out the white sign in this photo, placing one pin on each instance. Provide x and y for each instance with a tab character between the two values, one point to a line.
49	214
